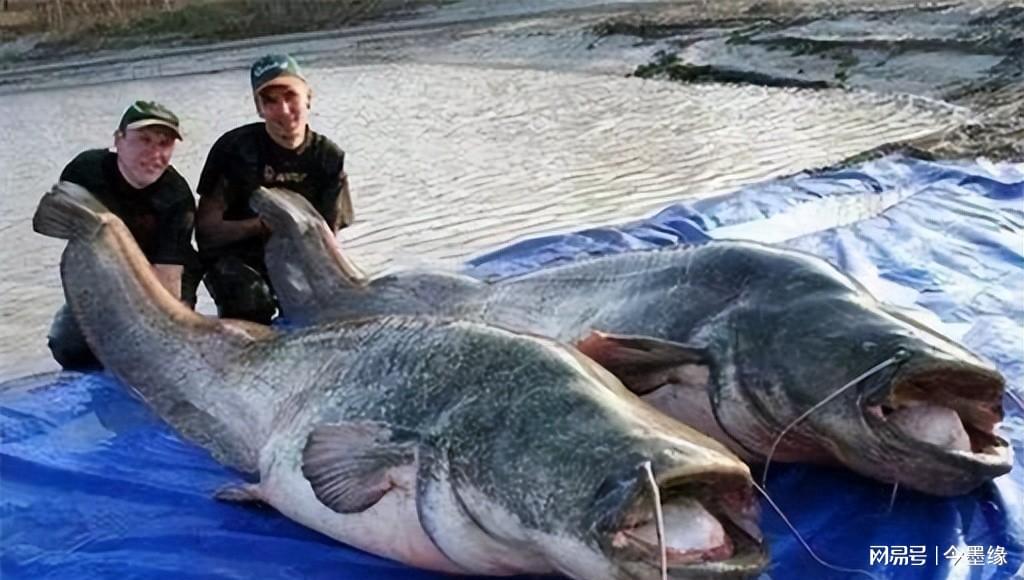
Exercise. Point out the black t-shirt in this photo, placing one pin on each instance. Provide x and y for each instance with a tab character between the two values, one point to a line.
160	216
246	158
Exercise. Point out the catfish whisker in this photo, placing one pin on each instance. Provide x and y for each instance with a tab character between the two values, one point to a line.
899	356
803	543
659	518
892	498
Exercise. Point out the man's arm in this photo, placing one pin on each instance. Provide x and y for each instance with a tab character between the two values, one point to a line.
343	213
334	203
170	277
333	200
175	216
212	230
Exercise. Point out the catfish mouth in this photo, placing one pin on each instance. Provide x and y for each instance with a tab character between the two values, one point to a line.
950	412
711	528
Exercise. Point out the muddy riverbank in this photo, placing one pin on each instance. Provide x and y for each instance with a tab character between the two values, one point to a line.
969	55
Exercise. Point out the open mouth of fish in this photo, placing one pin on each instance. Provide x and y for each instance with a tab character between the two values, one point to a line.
709	527
952	410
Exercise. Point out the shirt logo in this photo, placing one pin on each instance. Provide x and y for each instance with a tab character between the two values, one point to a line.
271	176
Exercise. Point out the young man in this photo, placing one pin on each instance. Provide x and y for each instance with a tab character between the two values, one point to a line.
282	151
138	184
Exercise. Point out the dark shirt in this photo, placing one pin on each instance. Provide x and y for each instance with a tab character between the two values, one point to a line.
160	216
246	158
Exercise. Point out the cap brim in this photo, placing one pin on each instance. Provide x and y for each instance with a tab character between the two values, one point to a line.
282	81
155	123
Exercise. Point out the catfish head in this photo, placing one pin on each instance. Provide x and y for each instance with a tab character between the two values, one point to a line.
917	408
576	477
765	375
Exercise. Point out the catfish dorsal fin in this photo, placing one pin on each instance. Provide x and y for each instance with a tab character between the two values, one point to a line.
349	465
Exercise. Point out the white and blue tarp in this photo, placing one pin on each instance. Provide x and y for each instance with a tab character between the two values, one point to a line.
94	486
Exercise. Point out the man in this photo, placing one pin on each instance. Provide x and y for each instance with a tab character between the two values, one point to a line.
138	184
282	151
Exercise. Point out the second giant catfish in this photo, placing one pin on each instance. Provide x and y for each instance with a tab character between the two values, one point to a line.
737	339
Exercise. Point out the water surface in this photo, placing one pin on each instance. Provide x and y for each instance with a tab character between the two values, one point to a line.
448	161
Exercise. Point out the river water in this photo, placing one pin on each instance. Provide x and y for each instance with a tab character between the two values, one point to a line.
446	159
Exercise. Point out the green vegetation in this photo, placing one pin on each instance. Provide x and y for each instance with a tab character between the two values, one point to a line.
92	23
219	19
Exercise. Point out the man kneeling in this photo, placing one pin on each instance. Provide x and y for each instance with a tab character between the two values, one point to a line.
138	184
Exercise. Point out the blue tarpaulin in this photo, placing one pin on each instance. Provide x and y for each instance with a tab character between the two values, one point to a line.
93	485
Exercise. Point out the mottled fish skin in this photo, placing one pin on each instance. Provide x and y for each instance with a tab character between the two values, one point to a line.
762	335
445	444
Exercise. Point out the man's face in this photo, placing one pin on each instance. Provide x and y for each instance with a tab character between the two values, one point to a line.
143	154
285	109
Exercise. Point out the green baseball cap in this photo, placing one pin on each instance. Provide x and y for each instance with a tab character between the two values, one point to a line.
275	70
147	114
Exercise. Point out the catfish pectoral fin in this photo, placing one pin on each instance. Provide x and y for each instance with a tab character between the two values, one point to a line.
350	465
632	357
239	493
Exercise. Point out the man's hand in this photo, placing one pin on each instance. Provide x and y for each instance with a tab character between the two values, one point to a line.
212	230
